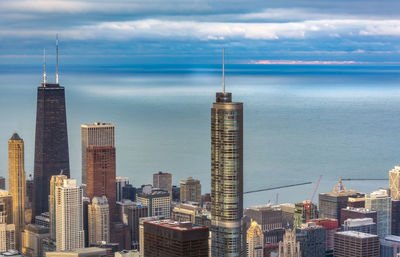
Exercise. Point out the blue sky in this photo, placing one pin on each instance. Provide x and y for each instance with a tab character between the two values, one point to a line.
194	31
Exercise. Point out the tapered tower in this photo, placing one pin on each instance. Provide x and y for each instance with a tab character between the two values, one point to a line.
51	142
16	184
227	226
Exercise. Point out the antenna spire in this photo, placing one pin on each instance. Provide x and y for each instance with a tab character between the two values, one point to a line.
223	70
57	58
44	67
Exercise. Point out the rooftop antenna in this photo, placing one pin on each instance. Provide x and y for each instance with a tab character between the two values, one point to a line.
44	67
57	58
223	70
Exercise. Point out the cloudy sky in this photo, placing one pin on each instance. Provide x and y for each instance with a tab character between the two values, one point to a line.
194	31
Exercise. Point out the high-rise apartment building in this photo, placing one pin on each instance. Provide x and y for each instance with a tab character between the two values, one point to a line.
289	246
170	238
7	237
51	142
158	202
55	181
99	220
381	202
227	226
356	244
69	234
190	190
16	184
120	183
163	181
255	240
6	209
100	170
95	134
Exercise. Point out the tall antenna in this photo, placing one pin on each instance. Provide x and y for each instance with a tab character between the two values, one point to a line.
44	67
57	58
223	70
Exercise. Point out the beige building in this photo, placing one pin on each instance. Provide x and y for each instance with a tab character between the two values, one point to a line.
7	237
16	184
190	190
99	220
394	183
55	181
83	252
32	239
6	210
163	181
289	247
255	240
185	212
126	253
69	213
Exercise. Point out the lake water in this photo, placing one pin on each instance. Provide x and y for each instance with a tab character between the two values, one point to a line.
300	122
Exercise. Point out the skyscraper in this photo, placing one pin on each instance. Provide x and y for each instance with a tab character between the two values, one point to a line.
120	183
356	244
190	190
227	226
55	181
51	141
394	183
16	184
99	220
255	241
69	213
163	181
95	134
100	167
381	202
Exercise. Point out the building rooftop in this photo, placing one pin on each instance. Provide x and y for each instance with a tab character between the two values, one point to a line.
358	222
181	226
265	207
359	210
356	234
15	136
392	238
97	124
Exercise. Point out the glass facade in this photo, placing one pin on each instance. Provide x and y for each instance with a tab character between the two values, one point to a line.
227	226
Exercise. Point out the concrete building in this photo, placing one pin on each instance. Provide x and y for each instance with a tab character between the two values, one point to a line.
255	240
84	252
95	134
6	210
331	226
171	238
55	181
121	234
132	215
190	190
2	183
304	211
289	246
312	239
120	183
99	220
390	246
7	237
32	240
381	202
269	217
356	244
129	192
227	224
366	225
16	184
100	175
141	230
185	212
158	202
163	181
357	213
43	220
69	213
287	214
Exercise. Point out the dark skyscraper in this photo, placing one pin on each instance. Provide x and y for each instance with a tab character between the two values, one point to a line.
51	142
227	227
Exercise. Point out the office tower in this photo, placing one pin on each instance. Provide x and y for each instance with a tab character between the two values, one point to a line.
7	237
163	181
95	134
312	239
120	234
255	240
158	202
43	220
356	244
55	181
287	214
185	212
16	184
69	221
120	183
304	211
2	183
390	246
51	141
227	226
32	240
133	214
129	192
381	202
356	202
141	230
289	246
85	211
394	183
190	190
6	209
99	220
100	171
396	217
331	226
366	225
84	252
331	203
176	193
357	213
268	216
170	238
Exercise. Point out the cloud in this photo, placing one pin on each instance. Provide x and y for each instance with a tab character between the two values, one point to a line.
294	62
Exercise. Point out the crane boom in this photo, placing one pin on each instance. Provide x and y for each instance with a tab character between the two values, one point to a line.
316	188
279	187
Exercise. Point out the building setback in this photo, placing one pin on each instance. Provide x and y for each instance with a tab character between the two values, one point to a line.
357	213
170	238
356	244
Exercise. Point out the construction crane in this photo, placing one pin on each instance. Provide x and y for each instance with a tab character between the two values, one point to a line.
278	187
308	204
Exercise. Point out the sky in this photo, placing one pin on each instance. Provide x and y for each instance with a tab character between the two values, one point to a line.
122	32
